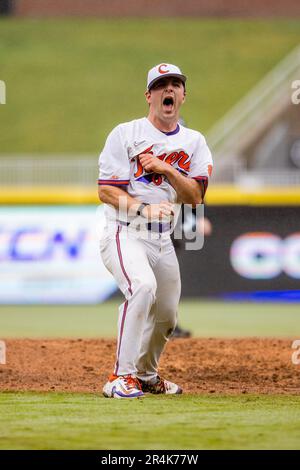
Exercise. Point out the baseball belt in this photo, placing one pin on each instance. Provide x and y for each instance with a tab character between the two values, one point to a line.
157	227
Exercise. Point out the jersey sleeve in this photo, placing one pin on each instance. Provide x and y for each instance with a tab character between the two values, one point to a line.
201	164
114	166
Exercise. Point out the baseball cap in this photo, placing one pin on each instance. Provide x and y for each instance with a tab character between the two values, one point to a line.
164	70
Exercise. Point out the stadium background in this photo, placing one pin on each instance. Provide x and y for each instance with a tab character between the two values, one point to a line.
68	82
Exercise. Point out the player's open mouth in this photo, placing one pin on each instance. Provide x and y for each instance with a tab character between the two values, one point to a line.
168	103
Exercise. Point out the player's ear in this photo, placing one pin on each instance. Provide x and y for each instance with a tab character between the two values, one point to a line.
148	96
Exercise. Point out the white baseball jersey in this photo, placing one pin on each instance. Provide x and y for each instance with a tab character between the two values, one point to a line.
185	149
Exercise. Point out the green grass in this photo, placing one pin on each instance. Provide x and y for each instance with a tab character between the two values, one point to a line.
206	319
86	421
69	81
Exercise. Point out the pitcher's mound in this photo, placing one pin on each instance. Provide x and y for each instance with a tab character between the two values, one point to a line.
227	366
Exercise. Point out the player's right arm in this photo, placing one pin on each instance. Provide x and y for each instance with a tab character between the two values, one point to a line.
117	197
124	203
114	177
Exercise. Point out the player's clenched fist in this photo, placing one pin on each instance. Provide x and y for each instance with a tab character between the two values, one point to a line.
163	211
152	164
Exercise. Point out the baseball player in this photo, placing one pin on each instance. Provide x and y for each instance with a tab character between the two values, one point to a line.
146	167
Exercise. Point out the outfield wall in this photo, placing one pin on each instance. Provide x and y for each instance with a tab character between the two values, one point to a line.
253	253
49	247
50	254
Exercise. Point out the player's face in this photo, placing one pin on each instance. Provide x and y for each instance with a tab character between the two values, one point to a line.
165	98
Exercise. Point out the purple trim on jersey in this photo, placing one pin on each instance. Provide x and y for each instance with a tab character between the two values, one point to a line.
126	303
172	132
114	182
184	173
143	179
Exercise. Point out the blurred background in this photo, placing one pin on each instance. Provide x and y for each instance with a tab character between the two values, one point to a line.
75	69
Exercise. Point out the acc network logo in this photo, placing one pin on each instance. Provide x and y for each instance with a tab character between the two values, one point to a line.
51	255
37	244
263	255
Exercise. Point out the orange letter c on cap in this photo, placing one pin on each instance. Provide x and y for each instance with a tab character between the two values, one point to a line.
160	68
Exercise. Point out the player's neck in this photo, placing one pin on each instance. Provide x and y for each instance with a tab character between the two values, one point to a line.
164	126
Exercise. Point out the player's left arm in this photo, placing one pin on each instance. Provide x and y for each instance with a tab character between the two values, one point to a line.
188	190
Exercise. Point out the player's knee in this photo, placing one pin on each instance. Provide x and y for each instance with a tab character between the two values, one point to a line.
171	324
167	313
167	326
169	321
147	288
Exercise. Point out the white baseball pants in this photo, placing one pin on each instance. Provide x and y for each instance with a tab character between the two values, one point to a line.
147	273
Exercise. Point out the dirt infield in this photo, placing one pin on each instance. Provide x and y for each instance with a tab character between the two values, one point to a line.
199	365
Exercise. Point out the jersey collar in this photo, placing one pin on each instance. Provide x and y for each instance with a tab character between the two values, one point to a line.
172	132
162	132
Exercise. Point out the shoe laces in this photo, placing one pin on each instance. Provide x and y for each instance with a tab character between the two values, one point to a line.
131	382
161	383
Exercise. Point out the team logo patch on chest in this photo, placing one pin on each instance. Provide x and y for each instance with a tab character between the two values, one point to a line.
178	159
